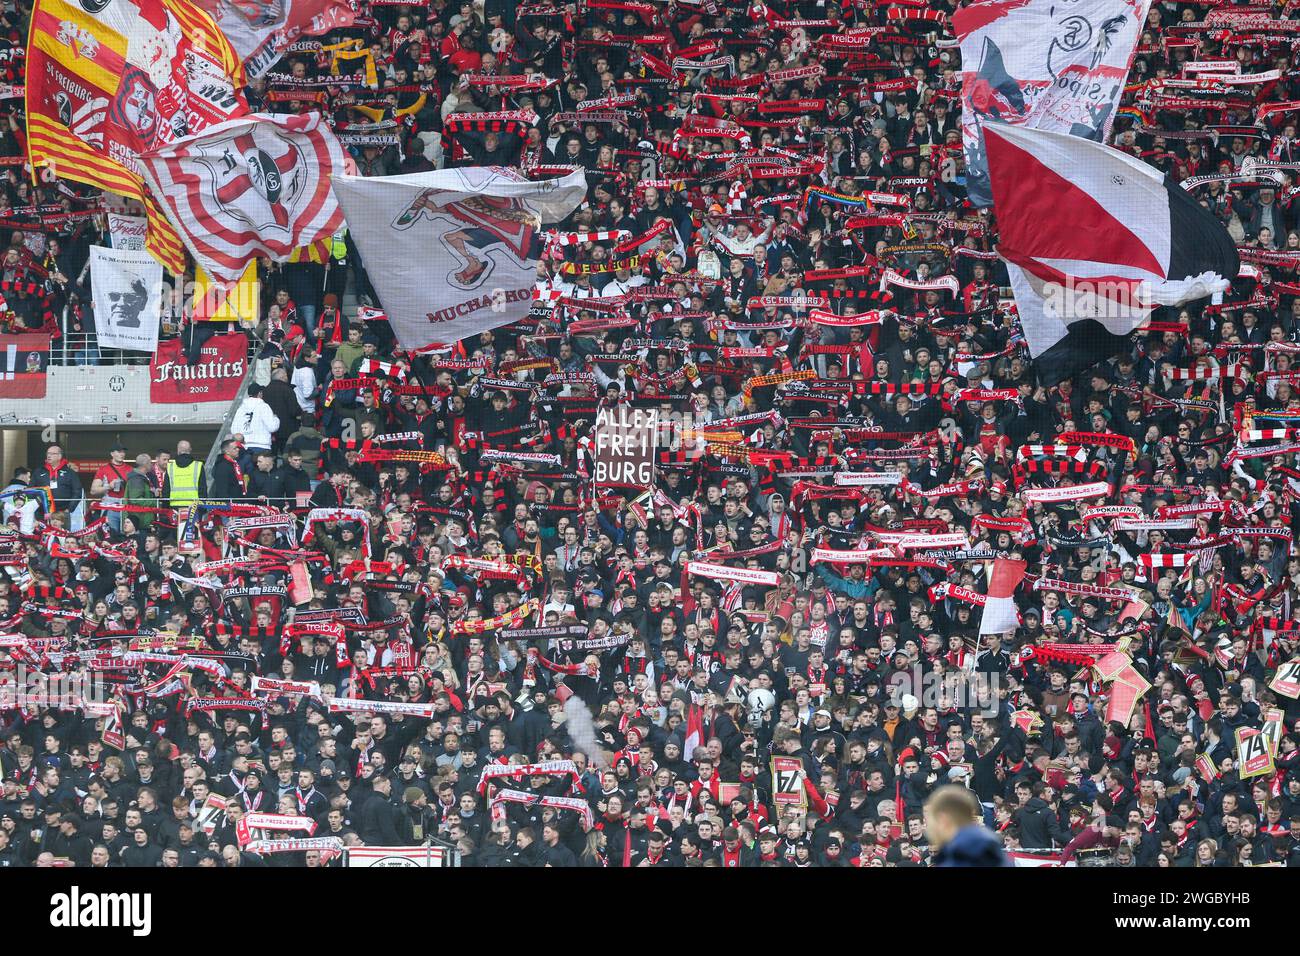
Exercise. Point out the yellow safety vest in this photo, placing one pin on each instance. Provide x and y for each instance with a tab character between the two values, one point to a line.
322	250
338	245
184	482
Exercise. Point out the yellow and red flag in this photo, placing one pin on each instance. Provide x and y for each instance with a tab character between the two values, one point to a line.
110	79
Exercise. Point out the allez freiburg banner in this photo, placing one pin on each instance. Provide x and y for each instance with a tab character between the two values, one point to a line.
624	454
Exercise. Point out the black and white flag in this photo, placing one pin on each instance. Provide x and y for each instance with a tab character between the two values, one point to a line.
1095	240
127	286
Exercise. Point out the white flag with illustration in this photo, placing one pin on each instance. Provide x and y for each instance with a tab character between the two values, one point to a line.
453	253
1042	64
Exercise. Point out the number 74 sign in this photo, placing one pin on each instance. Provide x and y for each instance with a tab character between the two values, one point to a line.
787	782
1287	680
1253	757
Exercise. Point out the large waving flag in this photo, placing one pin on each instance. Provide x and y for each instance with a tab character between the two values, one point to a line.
260	32
1094	239
259	185
107	81
1000	609
1042	64
459	246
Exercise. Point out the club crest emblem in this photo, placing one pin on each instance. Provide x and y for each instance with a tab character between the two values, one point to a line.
259	178
135	109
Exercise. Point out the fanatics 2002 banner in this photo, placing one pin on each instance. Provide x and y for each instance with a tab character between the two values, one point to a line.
216	376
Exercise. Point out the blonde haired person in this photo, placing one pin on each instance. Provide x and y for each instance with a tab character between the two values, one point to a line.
956	835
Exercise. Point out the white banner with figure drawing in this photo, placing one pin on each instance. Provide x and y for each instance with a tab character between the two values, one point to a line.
453	253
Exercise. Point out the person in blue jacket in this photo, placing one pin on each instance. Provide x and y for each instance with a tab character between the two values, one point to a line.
956	836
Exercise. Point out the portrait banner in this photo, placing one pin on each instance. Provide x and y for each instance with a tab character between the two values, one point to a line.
126	287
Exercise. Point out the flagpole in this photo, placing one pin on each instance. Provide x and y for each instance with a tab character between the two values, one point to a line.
324	286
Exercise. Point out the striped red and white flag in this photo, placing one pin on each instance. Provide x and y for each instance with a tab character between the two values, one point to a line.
257	185
1168	559
737	198
1000	608
1200	373
1267	434
694	730
1077	452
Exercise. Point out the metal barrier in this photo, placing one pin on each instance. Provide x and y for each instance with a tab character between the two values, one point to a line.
82	348
1092	856
1096	856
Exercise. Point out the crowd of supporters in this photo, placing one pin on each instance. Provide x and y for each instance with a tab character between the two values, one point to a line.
551	681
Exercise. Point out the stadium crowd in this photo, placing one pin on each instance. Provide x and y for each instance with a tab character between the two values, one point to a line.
479	648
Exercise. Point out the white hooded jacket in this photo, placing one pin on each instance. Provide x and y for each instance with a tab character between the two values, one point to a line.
256	422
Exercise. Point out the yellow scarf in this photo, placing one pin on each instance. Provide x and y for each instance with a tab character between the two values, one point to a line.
352	50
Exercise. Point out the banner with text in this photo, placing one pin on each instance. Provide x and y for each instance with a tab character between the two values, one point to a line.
625	446
216	376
